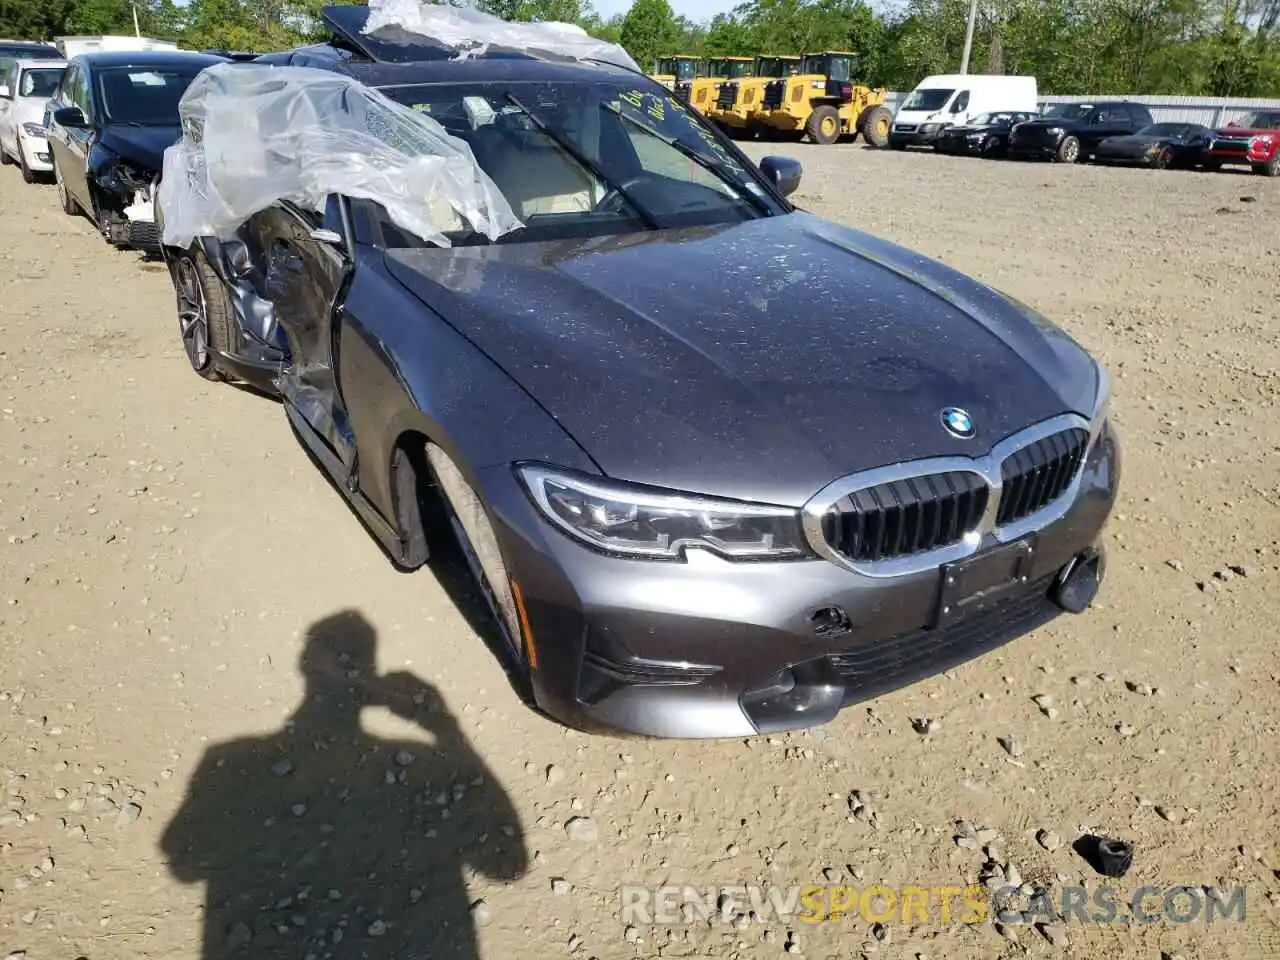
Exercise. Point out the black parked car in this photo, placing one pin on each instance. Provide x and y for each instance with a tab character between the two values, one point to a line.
1161	145
719	466
987	135
1069	132
108	125
11	50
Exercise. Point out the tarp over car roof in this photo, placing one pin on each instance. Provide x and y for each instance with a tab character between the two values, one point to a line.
398	31
254	135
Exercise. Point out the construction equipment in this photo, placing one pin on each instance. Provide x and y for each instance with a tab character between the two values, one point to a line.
823	102
738	101
670	71
700	92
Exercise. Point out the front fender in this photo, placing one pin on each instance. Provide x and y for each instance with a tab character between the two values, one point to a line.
402	369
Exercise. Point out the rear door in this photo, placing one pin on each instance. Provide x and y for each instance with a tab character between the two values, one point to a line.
306	272
1103	123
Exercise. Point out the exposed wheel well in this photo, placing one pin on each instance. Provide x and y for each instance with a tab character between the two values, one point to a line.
417	500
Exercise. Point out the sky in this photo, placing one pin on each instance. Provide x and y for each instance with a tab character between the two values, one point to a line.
696	10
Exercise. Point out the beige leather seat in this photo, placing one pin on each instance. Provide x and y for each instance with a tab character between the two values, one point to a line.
535	175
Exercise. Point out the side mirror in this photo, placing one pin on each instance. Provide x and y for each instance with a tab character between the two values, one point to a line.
5	93
783	172
69	117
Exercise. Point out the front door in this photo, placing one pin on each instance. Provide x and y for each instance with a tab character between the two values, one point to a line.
307	267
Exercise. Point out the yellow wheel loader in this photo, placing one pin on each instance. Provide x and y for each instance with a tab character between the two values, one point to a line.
701	91
738	101
824	103
670	71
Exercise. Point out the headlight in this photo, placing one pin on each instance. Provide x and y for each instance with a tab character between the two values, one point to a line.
636	521
1054	131
35	130
929	127
977	136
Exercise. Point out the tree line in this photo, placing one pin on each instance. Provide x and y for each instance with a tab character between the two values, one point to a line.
1227	48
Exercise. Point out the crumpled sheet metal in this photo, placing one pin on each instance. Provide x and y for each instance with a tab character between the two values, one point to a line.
471	32
253	135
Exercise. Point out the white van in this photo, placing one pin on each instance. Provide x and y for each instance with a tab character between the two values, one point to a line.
957	98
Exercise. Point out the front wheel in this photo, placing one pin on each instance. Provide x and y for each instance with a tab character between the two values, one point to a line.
204	313
874	125
1068	150
65	200
474	532
1269	169
824	124
28	175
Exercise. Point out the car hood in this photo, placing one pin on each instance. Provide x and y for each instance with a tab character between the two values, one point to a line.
28	110
144	146
1246	132
757	360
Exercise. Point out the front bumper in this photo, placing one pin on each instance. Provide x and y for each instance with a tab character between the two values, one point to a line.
708	648
1034	148
911	135
959	146
36	152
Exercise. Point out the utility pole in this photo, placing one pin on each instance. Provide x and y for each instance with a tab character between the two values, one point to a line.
136	32
968	36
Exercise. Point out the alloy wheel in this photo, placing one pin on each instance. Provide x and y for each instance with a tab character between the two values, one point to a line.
193	314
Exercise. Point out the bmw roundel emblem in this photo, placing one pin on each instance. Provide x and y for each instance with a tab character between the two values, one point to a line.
958	422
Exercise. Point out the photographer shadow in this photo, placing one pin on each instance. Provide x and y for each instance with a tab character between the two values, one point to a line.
323	840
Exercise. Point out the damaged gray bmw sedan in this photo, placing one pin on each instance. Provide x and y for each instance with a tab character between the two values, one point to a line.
720	467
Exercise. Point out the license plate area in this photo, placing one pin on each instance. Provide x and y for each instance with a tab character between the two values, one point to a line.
974	584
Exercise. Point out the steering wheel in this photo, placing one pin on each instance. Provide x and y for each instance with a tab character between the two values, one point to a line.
615	200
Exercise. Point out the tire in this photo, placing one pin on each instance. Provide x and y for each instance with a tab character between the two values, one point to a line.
205	314
1068	150
1269	169
474	532
823	125
65	200
874	125
28	176
5	159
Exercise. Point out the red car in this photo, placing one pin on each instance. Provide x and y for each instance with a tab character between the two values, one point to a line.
1254	140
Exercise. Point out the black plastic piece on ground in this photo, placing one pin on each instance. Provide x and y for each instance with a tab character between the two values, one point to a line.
1111	858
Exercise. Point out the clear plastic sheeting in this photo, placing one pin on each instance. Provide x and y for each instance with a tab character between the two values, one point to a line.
253	135
472	32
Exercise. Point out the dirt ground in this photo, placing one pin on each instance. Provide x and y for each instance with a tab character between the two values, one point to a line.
177	780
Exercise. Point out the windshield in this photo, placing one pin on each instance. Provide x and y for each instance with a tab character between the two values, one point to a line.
145	96
39	83
735	69
998	118
593	159
928	99
777	67
10	52
686	69
837	68
1069	111
1262	120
